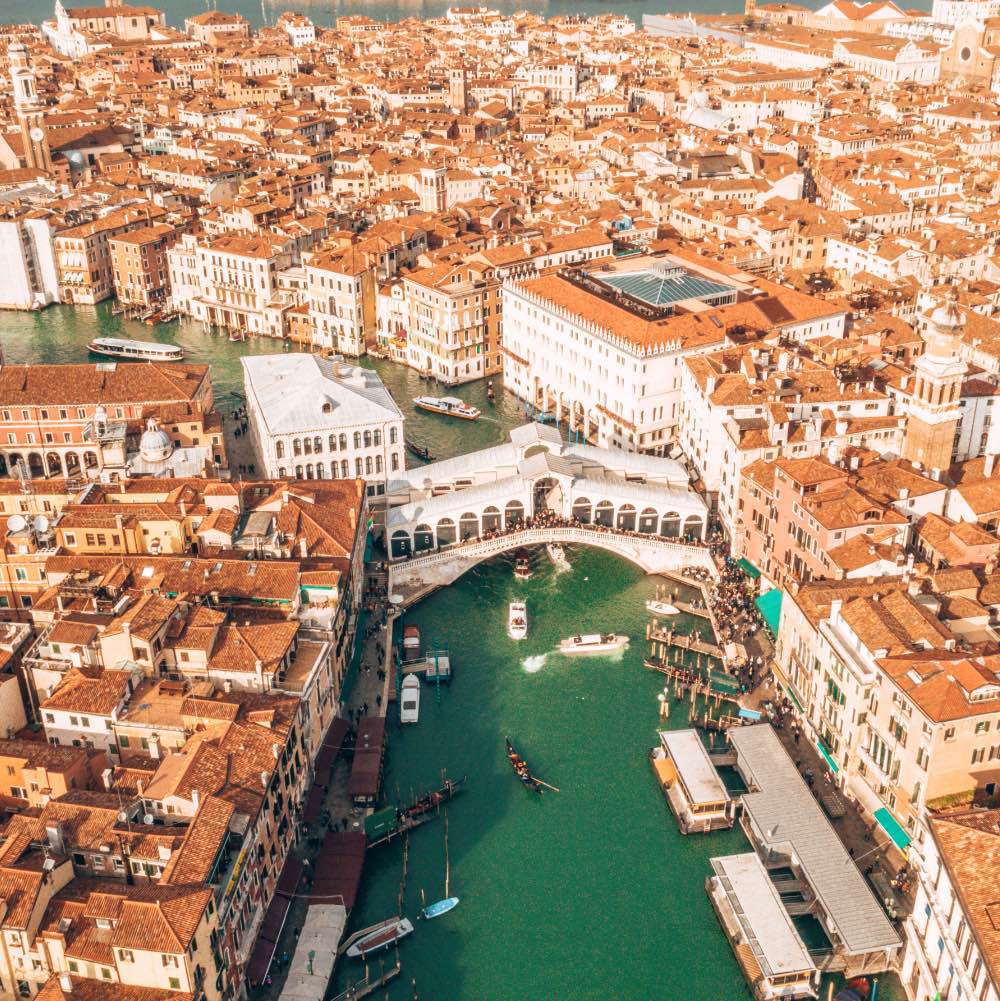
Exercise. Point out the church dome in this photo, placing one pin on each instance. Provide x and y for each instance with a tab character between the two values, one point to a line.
155	444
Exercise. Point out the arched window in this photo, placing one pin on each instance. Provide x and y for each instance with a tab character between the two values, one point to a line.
694	527
394	462
378	463
368	439
345	469
333	443
317	444
279	449
648	521
582	509
377	437
445	532
296	447
670	525
400	543
319	471
343	442
392	435
423	538
357	439
281	472
491	519
514	514
604	513
333	470
307	446
309	471
468	526
626	518
298	472
357	466
368	465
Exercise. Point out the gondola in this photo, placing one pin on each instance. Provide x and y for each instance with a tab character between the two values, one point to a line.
420	451
521	769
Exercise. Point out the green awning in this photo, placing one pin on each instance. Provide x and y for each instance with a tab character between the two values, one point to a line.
748	568
892	827
834	767
769	604
794	698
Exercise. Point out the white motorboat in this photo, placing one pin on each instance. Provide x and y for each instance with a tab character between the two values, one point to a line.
593	643
450	406
517	620
380	937
121	347
409	706
557	554
661	607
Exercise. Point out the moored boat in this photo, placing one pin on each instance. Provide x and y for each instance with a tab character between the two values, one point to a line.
661	607
517	620
382	936
441	907
121	347
858	989
411	643
449	406
522	565
593	643
409	706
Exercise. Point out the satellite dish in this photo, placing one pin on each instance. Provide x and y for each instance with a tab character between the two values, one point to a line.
148	819
40	524
16	523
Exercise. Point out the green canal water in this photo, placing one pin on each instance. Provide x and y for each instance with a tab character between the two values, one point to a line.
590	893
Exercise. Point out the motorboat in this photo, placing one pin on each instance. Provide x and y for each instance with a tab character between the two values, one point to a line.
380	937
409	706
411	643
557	554
121	347
661	607
593	643
449	406
522	565
517	620
435	910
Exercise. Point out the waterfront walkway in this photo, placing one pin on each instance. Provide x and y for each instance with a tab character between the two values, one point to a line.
417	576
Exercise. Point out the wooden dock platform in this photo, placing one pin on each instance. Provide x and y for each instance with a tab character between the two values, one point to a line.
668	637
434	667
371	983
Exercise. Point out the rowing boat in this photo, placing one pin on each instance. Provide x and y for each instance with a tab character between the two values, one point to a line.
521	769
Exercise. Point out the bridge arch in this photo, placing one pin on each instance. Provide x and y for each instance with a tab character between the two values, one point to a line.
428	570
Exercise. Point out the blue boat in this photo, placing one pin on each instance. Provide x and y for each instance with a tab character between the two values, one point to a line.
441	907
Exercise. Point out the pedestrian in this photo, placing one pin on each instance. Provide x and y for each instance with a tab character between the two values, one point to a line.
378	700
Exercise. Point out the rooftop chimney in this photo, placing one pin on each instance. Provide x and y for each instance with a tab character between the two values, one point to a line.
54	833
988	465
66	983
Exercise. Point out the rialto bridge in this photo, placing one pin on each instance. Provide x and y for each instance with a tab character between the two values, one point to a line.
534	477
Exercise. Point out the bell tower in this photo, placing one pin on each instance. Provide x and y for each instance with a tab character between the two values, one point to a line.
935	406
29	110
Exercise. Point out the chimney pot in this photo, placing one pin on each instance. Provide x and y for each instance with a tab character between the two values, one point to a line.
66	983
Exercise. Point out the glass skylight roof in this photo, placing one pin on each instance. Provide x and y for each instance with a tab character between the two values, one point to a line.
661	289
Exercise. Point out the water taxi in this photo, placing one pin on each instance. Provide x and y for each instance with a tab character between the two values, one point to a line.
441	907
558	555
517	620
522	565
593	643
380	937
409	706
120	347
411	643
661	607
449	406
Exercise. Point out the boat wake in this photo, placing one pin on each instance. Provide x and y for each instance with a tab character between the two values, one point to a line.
534	664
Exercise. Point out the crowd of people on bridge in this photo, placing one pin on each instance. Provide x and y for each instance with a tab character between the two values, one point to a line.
549	519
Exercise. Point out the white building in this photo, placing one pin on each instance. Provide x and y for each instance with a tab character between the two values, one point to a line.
28	279
606	349
952	947
312	418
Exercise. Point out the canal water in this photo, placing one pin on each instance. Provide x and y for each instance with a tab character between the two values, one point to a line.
589	893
